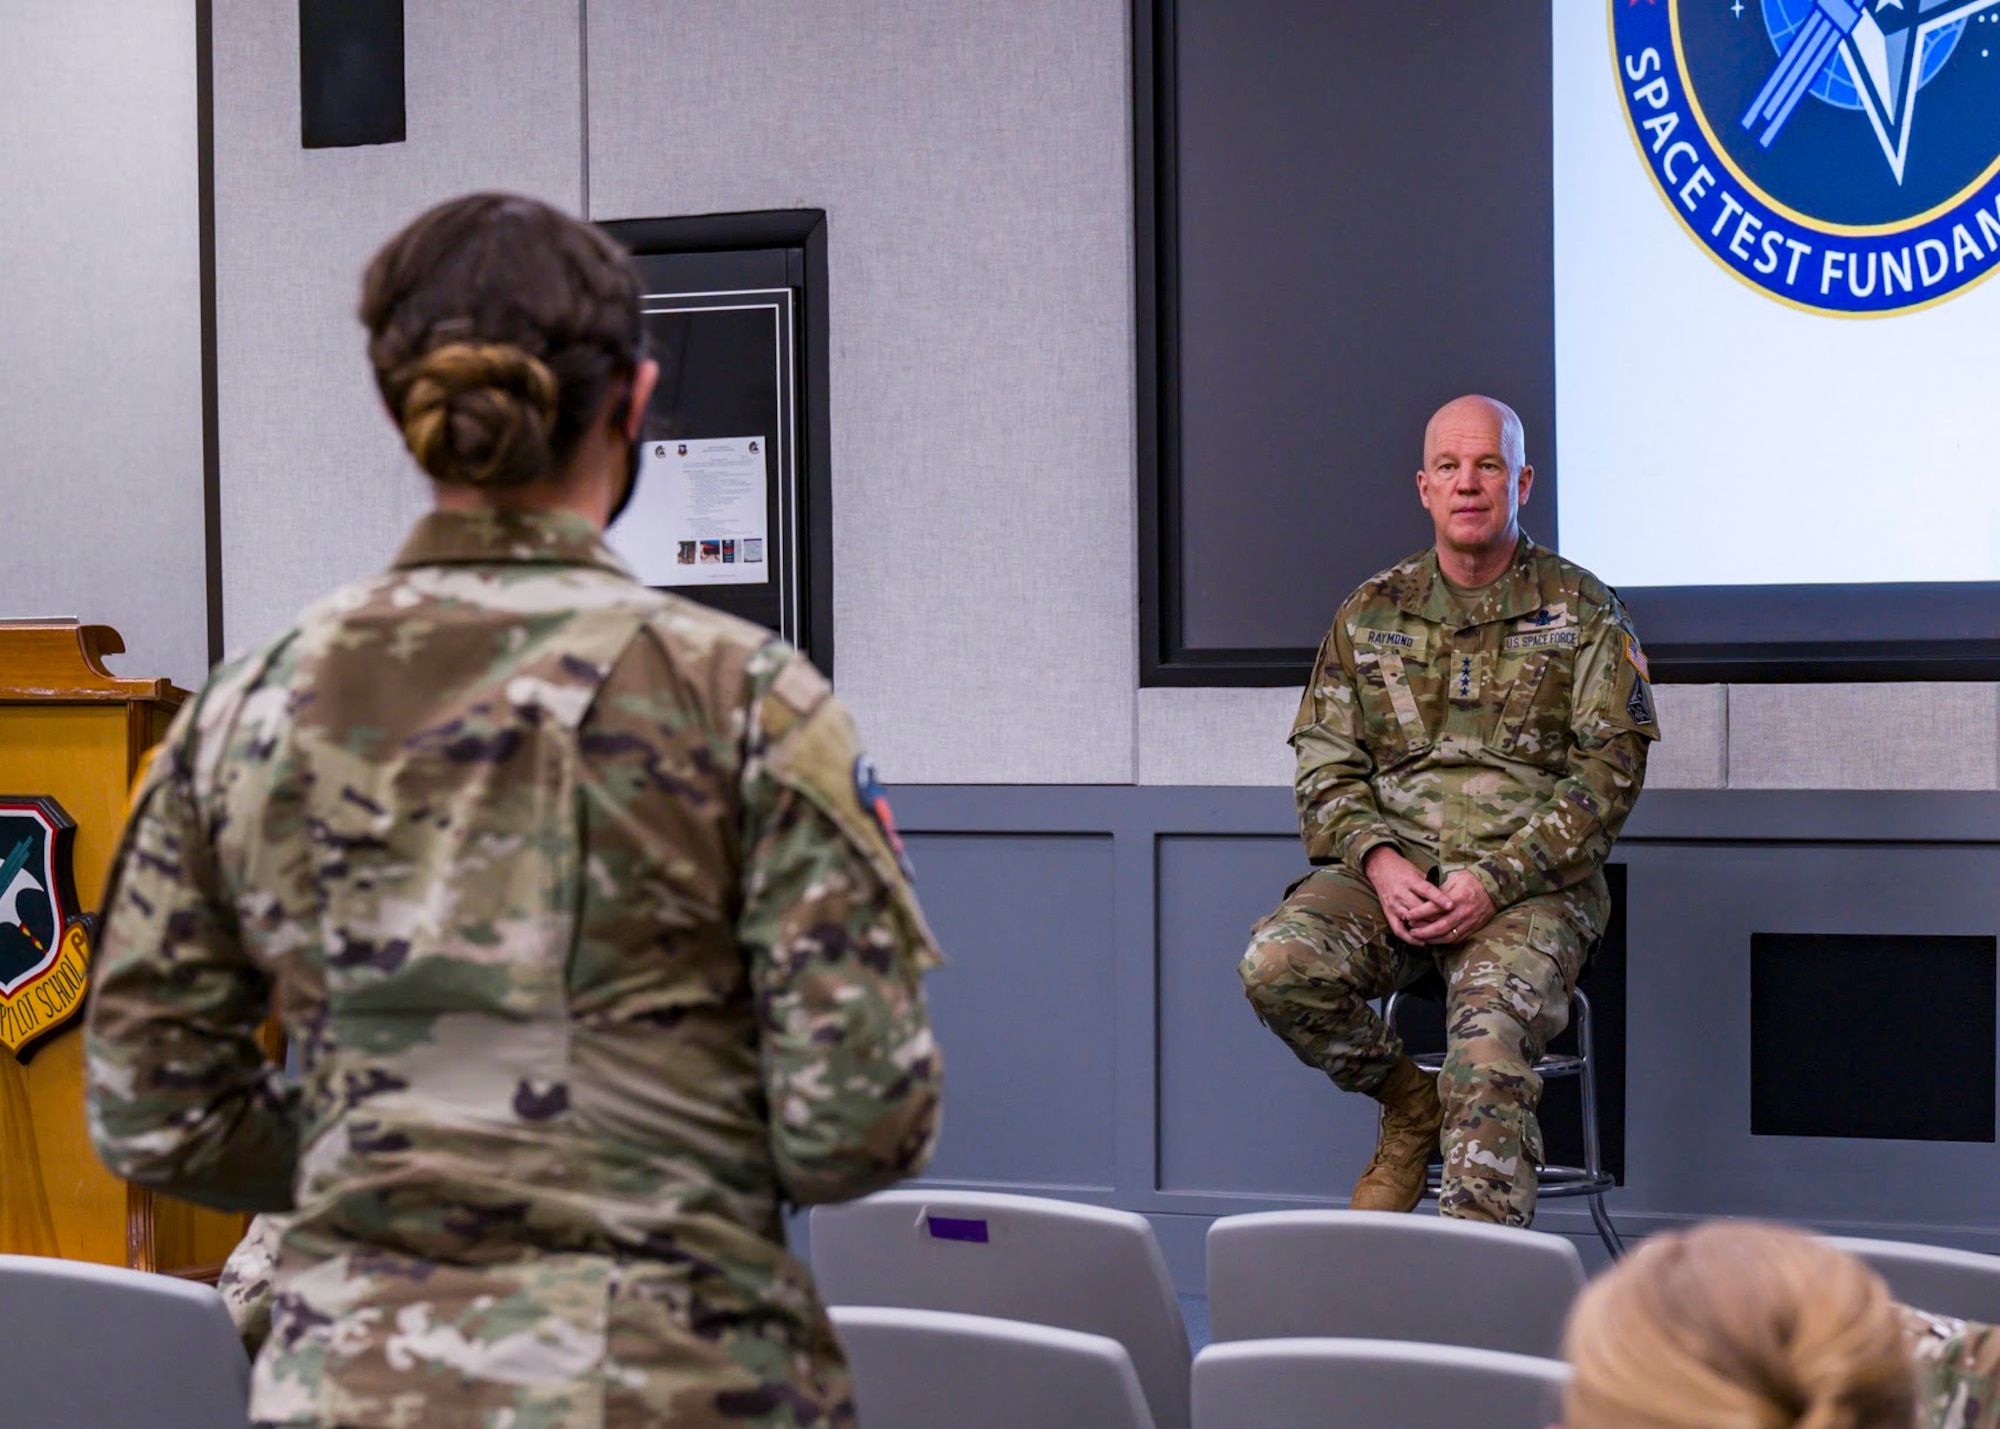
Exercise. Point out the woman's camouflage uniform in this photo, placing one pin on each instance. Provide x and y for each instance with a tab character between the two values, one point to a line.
594	959
1509	739
1958	1370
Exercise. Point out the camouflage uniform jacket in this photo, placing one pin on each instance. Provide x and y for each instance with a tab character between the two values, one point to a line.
593	956
1508	738
1958	1370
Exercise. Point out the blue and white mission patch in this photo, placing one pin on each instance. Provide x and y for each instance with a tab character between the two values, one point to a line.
1842	156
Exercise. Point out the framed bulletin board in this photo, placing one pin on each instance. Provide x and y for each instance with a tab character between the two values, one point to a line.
733	507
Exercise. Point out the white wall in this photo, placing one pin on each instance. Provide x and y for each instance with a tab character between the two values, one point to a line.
100	311
975	163
316	486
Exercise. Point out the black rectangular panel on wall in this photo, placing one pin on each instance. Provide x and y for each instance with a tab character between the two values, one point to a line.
351	73
1880	1036
1346	218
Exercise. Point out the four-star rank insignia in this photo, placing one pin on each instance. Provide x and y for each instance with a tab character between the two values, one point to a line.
44	938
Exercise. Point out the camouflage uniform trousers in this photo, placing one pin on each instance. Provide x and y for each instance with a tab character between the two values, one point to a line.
245	1282
1314	966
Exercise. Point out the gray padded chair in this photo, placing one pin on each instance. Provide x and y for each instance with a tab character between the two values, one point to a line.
1963	1283
1047	1262
1377	1275
1372	1384
929	1369
110	1348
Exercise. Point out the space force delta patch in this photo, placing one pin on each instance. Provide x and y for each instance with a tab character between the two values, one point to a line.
1842	156
44	941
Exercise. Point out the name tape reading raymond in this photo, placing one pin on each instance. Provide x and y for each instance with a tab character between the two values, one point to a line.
1394	639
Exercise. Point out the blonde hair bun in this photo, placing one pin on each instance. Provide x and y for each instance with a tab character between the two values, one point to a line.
1738	1325
479	413
1831	1414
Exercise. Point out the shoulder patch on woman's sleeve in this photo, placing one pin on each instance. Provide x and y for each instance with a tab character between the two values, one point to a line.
820	757
875	799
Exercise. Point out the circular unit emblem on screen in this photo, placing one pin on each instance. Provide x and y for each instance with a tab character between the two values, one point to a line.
1842	156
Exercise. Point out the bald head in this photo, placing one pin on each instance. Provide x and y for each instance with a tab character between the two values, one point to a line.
1460	412
1474	481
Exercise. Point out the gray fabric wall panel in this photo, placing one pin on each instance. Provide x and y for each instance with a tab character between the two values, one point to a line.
1693	751
1931	736
100	415
1237	737
1864	736
316	486
975	164
1223	736
1025	1006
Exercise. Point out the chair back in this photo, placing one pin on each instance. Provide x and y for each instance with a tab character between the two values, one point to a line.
1372	1384
1961	1283
924	1369
1048	1262
1377	1275
97	1345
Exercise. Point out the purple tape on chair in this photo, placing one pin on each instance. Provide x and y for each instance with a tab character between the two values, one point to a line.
956	1228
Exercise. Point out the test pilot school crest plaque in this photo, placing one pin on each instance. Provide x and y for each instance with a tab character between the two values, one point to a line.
44	938
1841	156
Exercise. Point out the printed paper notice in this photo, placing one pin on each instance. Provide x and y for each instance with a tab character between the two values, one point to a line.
699	514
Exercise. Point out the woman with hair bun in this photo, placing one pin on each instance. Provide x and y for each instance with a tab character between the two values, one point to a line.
595	956
1744	1325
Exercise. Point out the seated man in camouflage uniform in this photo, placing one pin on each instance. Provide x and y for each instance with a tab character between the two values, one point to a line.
1472	738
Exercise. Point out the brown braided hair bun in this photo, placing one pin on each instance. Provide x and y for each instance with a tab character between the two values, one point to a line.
480	413
500	329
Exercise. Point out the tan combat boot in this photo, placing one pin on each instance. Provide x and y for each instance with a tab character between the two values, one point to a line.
1411	1116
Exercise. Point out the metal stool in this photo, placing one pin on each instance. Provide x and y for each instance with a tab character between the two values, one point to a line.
1557	1182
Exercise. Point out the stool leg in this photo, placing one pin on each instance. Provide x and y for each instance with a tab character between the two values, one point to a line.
1587	1092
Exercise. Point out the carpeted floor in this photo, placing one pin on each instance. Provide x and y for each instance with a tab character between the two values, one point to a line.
1194	1310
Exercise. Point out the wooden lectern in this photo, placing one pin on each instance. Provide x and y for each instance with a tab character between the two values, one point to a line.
71	739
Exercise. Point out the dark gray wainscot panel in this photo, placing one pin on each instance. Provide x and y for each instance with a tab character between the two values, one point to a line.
1098	1045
